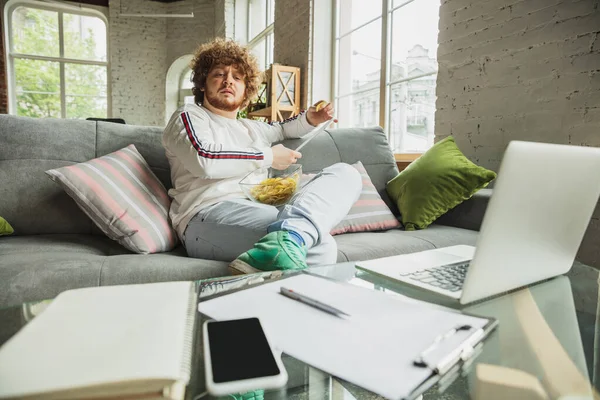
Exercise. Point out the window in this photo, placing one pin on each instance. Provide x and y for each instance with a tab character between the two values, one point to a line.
178	85
261	15
386	55
185	89
57	61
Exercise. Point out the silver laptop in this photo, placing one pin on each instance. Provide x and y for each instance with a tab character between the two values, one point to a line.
542	202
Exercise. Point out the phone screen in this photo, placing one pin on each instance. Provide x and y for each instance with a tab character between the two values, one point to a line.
239	350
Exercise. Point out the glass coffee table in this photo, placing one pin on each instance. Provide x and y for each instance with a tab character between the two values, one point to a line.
548	337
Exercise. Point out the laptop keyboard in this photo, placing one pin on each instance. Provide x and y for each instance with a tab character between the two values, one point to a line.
449	277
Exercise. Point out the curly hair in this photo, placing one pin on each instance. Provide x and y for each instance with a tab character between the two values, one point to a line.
224	52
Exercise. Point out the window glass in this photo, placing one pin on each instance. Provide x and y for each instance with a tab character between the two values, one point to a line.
261	16
360	59
258	17
37	88
354	13
260	51
85	91
35	32
412	115
35	49
359	110
409	88
415	34
85	37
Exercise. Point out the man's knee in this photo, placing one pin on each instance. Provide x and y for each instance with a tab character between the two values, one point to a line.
348	174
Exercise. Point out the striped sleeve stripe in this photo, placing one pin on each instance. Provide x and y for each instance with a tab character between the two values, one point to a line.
290	119
239	155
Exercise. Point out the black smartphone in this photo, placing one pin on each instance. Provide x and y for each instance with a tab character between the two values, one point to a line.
238	357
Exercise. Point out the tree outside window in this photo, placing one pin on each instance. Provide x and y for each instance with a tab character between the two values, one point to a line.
58	63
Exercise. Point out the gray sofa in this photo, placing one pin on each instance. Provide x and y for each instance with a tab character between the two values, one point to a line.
56	247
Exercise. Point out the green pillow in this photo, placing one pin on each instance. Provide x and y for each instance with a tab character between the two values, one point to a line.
439	180
5	228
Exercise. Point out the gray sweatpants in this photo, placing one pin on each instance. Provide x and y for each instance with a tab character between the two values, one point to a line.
225	230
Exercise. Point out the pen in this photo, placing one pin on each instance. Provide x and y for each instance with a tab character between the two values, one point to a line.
420	361
312	302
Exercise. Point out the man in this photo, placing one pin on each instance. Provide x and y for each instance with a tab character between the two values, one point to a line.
210	151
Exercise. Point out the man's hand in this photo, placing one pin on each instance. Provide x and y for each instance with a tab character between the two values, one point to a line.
284	157
319	113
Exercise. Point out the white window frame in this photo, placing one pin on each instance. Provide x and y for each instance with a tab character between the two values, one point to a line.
10	54
385	83
266	34
184	92
174	92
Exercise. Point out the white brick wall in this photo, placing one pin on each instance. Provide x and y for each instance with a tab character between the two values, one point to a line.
137	62
143	48
185	34
527	70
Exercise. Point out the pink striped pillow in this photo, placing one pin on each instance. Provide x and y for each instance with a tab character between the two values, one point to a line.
123	197
369	213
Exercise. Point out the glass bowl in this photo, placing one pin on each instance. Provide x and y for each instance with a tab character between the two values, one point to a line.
271	186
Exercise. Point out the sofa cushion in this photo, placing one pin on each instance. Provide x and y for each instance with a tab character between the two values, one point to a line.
434	183
160	267
147	139
60	243
349	145
369	212
123	197
369	245
43	275
30	201
39	267
5	228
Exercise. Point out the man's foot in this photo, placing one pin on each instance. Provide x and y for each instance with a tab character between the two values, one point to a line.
275	251
258	394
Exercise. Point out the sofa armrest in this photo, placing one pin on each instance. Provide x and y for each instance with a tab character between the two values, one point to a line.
468	214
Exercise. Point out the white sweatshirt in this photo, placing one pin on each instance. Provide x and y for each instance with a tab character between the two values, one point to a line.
209	155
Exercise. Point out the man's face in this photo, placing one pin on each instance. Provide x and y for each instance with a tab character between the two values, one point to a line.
225	88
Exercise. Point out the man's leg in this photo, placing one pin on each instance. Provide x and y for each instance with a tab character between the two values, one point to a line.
223	231
226	230
306	221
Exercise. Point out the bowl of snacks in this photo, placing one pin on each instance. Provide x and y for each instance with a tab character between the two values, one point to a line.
271	186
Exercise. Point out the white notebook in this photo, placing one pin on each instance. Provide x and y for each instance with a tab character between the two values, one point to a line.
119	341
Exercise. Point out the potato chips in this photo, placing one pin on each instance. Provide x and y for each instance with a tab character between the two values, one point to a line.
275	191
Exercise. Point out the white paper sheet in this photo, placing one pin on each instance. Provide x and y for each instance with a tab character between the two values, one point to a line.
374	348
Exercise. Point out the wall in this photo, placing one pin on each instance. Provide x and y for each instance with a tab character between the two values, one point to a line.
185	34
143	48
293	40
527	70
224	18
3	81
137	47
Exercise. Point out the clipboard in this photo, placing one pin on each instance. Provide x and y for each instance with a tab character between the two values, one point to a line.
377	359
